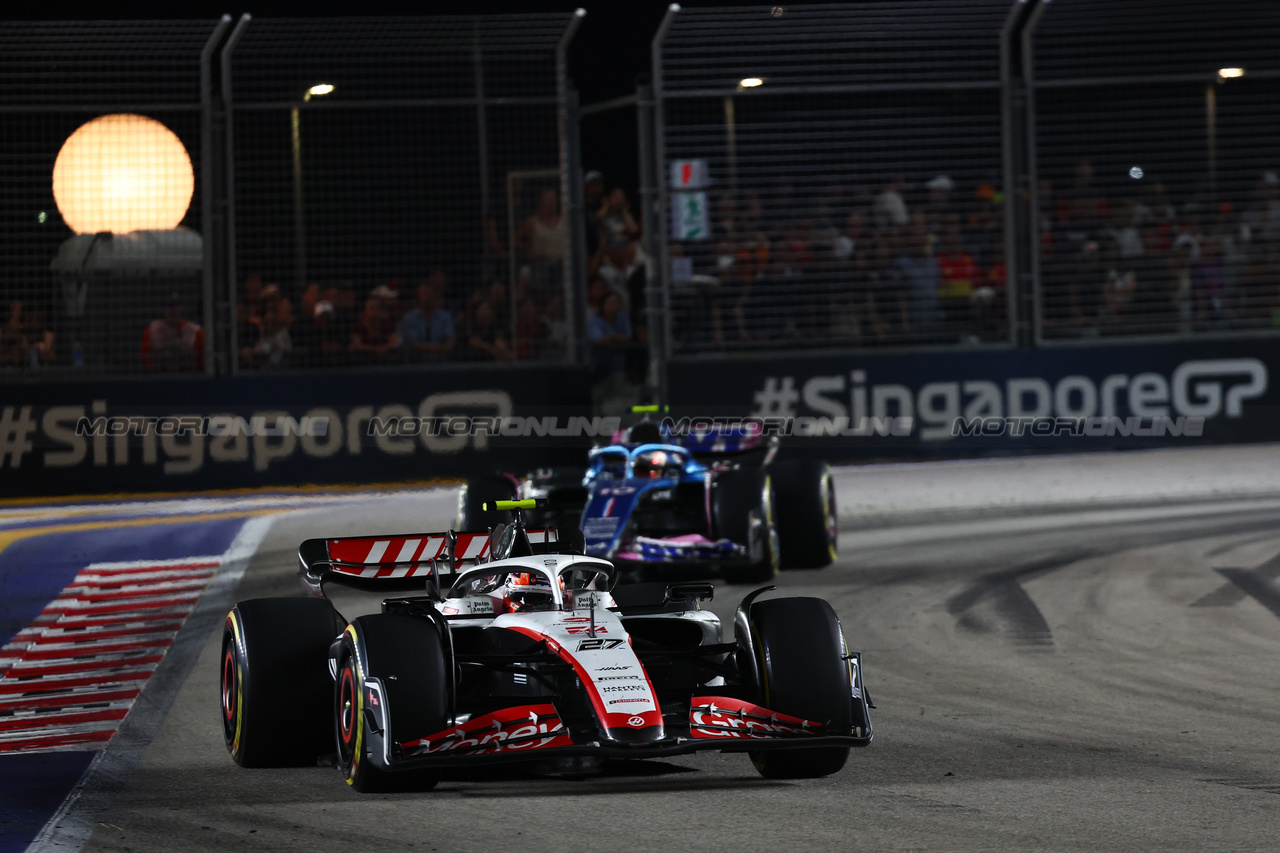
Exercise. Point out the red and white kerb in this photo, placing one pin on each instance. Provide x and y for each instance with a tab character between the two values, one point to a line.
69	678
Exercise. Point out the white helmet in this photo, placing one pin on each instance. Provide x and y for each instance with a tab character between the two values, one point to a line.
528	591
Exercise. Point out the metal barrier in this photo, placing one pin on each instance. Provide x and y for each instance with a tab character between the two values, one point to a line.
93	111
1155	175
956	173
397	192
831	175
964	173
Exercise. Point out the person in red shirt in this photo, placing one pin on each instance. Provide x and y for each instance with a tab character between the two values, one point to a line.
960	275
173	343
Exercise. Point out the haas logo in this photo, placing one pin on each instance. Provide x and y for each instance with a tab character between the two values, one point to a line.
635	721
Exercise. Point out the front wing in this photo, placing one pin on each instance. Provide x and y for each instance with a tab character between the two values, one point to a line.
536	732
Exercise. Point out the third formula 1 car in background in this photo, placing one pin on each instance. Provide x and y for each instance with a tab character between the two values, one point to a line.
719	500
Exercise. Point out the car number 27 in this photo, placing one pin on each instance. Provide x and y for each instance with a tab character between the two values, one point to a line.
596	645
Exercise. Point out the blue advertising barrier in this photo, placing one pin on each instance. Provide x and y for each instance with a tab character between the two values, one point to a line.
850	406
194	433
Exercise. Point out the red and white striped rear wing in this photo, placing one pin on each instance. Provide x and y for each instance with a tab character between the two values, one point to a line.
396	563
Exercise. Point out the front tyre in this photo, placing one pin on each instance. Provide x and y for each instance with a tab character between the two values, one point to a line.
275	684
742	507
406	657
804	673
806	513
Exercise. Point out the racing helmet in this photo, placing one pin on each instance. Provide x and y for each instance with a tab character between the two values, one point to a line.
528	591
657	463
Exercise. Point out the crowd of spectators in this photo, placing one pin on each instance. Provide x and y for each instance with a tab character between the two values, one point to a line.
1143	262
924	263
172	343
25	338
902	263
617	280
439	319
785	267
395	322
475	317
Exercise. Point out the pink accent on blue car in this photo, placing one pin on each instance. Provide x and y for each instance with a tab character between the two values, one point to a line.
690	546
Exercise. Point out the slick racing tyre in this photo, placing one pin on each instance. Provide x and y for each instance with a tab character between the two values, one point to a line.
805	498
406	655
472	516
742	508
275	682
803	673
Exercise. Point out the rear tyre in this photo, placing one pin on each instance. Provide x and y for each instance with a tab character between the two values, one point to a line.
806	513
742	508
406	655
472	516
803	673
275	682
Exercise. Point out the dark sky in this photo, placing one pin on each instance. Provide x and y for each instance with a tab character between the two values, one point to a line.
610	50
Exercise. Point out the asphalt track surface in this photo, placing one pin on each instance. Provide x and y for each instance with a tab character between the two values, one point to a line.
1085	680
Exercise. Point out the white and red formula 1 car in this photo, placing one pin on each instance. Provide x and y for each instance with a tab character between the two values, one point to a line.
529	654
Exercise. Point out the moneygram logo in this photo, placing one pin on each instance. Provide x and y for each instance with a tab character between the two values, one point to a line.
1206	389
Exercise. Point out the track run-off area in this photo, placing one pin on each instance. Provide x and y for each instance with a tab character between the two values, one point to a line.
1072	652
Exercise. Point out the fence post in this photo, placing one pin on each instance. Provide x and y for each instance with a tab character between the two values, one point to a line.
575	263
571	194
209	239
1036	283
1021	228
663	203
1009	172
229	170
482	156
648	239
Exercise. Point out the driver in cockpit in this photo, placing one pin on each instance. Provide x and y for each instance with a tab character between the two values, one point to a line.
524	592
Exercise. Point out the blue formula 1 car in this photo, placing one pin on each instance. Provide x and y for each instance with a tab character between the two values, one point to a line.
704	501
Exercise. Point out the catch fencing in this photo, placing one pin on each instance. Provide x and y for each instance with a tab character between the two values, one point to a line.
126	104
815	159
1156	176
965	174
393	178
890	174
213	197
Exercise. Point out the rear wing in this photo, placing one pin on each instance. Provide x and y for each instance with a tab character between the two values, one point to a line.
401	563
709	448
